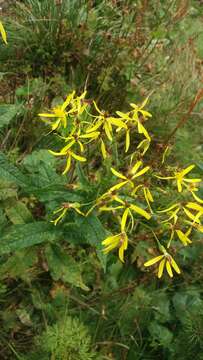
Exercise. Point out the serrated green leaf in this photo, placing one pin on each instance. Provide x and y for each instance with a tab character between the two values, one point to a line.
7	190
94	232
58	193
19	265
3	220
160	334
63	266
73	234
7	113
19	213
41	166
23	236
82	178
11	173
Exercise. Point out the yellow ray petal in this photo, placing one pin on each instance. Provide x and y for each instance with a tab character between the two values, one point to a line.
123	115
169	208
77	157
140	211
95	127
107	131
103	150
191	216
67	101
118	174
197	198
175	266
117	122
141	172
127	141
144	102
111	239
68	165
90	135
110	247
192	180
147	198
154	260
179	185
187	170
124	219
195	206
136	167
165	177
149	194
48	115
116	198
161	268
3	33
168	268
96	107
118	186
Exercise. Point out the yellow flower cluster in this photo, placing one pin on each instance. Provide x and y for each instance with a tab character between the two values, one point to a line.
130	198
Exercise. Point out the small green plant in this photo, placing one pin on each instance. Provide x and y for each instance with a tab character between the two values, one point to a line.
66	340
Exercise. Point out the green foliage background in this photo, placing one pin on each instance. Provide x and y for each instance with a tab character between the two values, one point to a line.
59	297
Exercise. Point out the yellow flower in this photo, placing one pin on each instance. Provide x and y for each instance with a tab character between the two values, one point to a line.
59	112
128	208
140	109
3	33
137	110
79	103
101	201
116	241
133	117
180	178
173	211
105	122
63	210
145	144
193	188
128	179
76	137
69	154
164	260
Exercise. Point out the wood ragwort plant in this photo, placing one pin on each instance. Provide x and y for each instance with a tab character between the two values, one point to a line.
125	184
99	189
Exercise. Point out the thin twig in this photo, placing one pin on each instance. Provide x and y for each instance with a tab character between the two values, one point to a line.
183	120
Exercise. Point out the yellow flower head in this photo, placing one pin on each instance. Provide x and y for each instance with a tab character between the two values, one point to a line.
128	210
102	120
140	110
132	117
116	241
70	155
165	260
76	138
132	175
59	112
181	179
63	210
